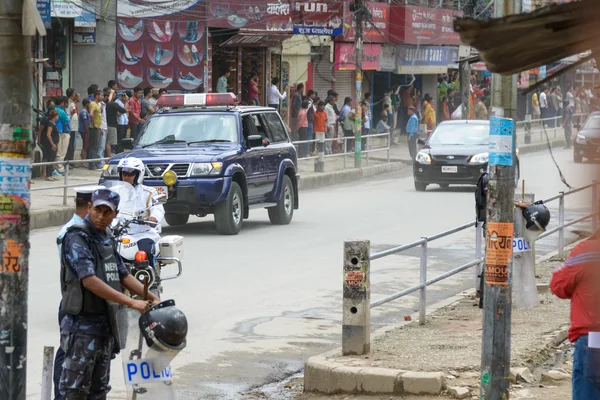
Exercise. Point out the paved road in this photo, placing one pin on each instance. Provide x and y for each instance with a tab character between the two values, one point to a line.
260	303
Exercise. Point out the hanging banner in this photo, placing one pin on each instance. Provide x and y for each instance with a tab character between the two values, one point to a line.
423	25
345	57
87	18
499	242
66	8
161	44
43	7
387	58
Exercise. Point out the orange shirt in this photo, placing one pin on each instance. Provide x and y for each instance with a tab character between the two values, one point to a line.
320	123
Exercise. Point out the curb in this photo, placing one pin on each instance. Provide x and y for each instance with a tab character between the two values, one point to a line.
324	376
348	175
532	148
56	216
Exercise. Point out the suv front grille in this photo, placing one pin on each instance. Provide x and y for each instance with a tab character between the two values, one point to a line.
158	170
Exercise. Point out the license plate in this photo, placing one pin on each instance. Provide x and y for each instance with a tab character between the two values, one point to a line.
449	170
162	190
142	371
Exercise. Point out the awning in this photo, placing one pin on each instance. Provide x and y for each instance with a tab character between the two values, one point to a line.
248	40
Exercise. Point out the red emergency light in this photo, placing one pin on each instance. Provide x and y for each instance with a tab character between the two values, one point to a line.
197	100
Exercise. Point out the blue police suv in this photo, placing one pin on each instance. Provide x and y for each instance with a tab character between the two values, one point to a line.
211	156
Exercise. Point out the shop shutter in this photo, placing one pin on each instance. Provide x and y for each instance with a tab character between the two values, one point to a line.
344	81
322	71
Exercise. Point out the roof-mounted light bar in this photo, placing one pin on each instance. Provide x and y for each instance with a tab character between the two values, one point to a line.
197	100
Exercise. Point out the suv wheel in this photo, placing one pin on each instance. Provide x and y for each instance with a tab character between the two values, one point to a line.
420	187
283	212
176	219
229	214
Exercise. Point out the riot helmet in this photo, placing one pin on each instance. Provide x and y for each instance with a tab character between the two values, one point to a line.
537	217
164	327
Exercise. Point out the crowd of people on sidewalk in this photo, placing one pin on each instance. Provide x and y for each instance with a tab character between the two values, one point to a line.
100	121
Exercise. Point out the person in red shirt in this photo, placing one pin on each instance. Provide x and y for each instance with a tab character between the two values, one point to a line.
578	280
320	123
135	121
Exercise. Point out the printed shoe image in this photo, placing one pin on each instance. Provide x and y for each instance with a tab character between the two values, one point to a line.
127	79
189	79
127	54
187	53
158	32
195	54
168	31
125	30
191	32
160	53
137	27
156	76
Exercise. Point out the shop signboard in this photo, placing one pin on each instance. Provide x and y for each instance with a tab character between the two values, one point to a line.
161	45
43	7
423	25
66	8
84	35
345	57
423	59
322	17
387	58
87	18
376	28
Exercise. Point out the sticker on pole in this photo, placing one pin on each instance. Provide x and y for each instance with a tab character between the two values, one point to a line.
502	133
142	371
521	245
499	242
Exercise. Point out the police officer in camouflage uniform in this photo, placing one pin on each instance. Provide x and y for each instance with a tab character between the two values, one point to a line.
92	278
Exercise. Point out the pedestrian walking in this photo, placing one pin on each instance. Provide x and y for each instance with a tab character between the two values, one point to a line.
122	120
83	197
543	104
73	113
113	111
147	108
445	115
103	139
331	123
92	279
222	82
320	123
253	90
302	128
578	280
275	96
296	106
135	109
85	124
310	116
428	113
64	129
346	119
568	126
535	106
412	129
95	128
49	138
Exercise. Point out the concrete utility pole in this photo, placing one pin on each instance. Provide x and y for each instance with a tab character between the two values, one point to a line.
465	88
356	313
15	174
358	9
495	359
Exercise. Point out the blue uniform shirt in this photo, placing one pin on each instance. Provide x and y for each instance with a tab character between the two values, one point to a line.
412	127
75	219
79	256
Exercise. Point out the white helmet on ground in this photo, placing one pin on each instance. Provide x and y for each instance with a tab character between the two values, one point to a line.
132	165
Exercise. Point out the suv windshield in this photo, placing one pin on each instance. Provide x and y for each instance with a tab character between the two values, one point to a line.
463	134
593	122
197	128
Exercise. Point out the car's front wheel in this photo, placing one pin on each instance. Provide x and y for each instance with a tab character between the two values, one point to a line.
420	187
229	214
577	158
176	219
283	212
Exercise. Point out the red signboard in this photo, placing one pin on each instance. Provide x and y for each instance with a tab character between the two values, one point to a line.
376	28
423	25
345	56
274	15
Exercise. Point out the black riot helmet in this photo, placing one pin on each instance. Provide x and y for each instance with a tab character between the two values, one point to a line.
165	327
537	216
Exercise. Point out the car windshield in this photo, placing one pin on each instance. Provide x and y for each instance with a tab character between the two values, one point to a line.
460	134
593	122
209	128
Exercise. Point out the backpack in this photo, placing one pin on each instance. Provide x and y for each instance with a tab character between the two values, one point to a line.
481	193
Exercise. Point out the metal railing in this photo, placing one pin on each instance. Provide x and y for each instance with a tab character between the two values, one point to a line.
371	145
479	255
65	185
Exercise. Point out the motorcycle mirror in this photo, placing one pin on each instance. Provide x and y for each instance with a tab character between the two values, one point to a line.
161	199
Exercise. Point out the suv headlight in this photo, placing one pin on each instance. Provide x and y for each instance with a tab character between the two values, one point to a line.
580	139
110	171
423	158
479	158
204	169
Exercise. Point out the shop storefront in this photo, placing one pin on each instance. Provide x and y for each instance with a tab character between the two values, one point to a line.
345	65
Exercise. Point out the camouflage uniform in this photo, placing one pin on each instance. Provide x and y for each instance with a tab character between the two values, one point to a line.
87	340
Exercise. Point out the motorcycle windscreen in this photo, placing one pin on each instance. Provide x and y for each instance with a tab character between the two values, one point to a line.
147	375
127	196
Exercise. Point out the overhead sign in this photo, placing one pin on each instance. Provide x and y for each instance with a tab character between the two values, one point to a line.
43	7
521	245
87	18
376	27
423	59
66	8
423	25
387	58
345	57
141	371
318	30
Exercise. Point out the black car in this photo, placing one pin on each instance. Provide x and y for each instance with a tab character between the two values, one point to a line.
455	153
587	141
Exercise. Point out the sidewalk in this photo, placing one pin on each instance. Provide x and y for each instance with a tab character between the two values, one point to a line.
444	355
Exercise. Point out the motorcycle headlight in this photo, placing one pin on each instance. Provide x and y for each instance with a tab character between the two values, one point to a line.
580	139
423	158
479	158
110	171
203	169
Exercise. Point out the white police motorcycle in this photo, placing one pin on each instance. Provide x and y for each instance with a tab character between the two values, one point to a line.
167	251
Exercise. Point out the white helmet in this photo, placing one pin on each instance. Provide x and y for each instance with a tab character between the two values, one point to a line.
132	164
